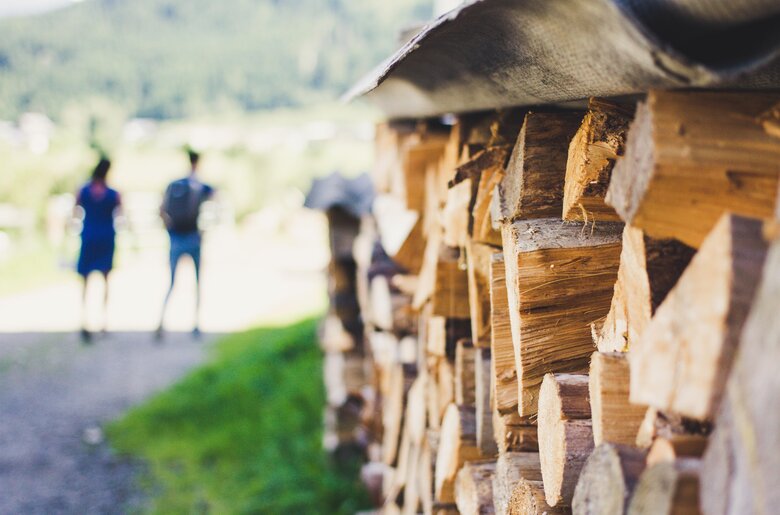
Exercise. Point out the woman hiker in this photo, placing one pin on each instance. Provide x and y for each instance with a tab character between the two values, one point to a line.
100	205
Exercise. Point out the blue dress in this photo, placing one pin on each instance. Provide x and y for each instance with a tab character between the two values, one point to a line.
97	233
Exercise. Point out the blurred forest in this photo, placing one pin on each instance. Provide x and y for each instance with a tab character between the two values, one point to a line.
176	58
253	84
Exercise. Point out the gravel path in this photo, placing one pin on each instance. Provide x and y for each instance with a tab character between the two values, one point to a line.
55	395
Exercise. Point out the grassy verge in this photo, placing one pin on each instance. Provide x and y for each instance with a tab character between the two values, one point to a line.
243	434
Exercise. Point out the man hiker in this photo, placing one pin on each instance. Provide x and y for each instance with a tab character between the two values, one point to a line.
179	211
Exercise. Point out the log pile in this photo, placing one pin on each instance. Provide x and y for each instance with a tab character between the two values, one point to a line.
574	311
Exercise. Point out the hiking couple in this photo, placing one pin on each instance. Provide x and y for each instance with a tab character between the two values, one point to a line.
180	208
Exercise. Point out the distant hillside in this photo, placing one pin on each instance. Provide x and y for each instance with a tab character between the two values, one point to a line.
171	58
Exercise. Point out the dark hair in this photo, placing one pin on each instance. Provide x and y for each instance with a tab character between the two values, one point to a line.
194	156
101	169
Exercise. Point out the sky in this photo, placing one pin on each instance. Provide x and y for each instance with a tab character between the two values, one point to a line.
24	7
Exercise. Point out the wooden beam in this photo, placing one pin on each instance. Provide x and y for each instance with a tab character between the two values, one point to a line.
691	156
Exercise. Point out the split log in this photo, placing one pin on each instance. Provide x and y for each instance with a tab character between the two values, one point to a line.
511	468
528	499
559	279
535	176
456	213
474	488
690	157
492	165
427	461
401	381
565	434
671	426
443	334
389	310
501	347
668	489
615	419
465	387
400	231
478	260
443	281
685	354
513	433
484	412
676	446
415	416
607	480
592	154
741	470
649	269
457	445
411	491
415	158
445	387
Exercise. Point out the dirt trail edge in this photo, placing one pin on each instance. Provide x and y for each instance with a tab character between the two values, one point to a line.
55	397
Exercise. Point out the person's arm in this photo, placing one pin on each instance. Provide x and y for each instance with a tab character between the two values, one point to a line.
164	209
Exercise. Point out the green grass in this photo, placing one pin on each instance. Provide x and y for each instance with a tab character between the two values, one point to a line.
243	434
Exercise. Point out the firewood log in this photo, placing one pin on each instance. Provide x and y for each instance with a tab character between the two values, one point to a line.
513	433
693	155
670	488
535	176
565	434
683	358
491	162
666	449
474	488
592	154
741	469
615	420
465	387
393	409
478	260
501	347
649	268
560	278
457	445
528	499
511	467
607	480
484	410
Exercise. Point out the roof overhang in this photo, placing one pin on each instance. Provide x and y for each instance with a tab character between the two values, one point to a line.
491	54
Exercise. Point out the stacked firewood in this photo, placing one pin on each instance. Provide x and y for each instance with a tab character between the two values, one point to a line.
577	310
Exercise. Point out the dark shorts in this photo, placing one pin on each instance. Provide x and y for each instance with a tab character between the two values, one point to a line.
97	255
185	245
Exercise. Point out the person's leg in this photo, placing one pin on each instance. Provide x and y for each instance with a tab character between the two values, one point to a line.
174	260
105	302
196	262
85	334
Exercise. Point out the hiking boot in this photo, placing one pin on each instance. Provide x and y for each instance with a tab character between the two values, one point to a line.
86	336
